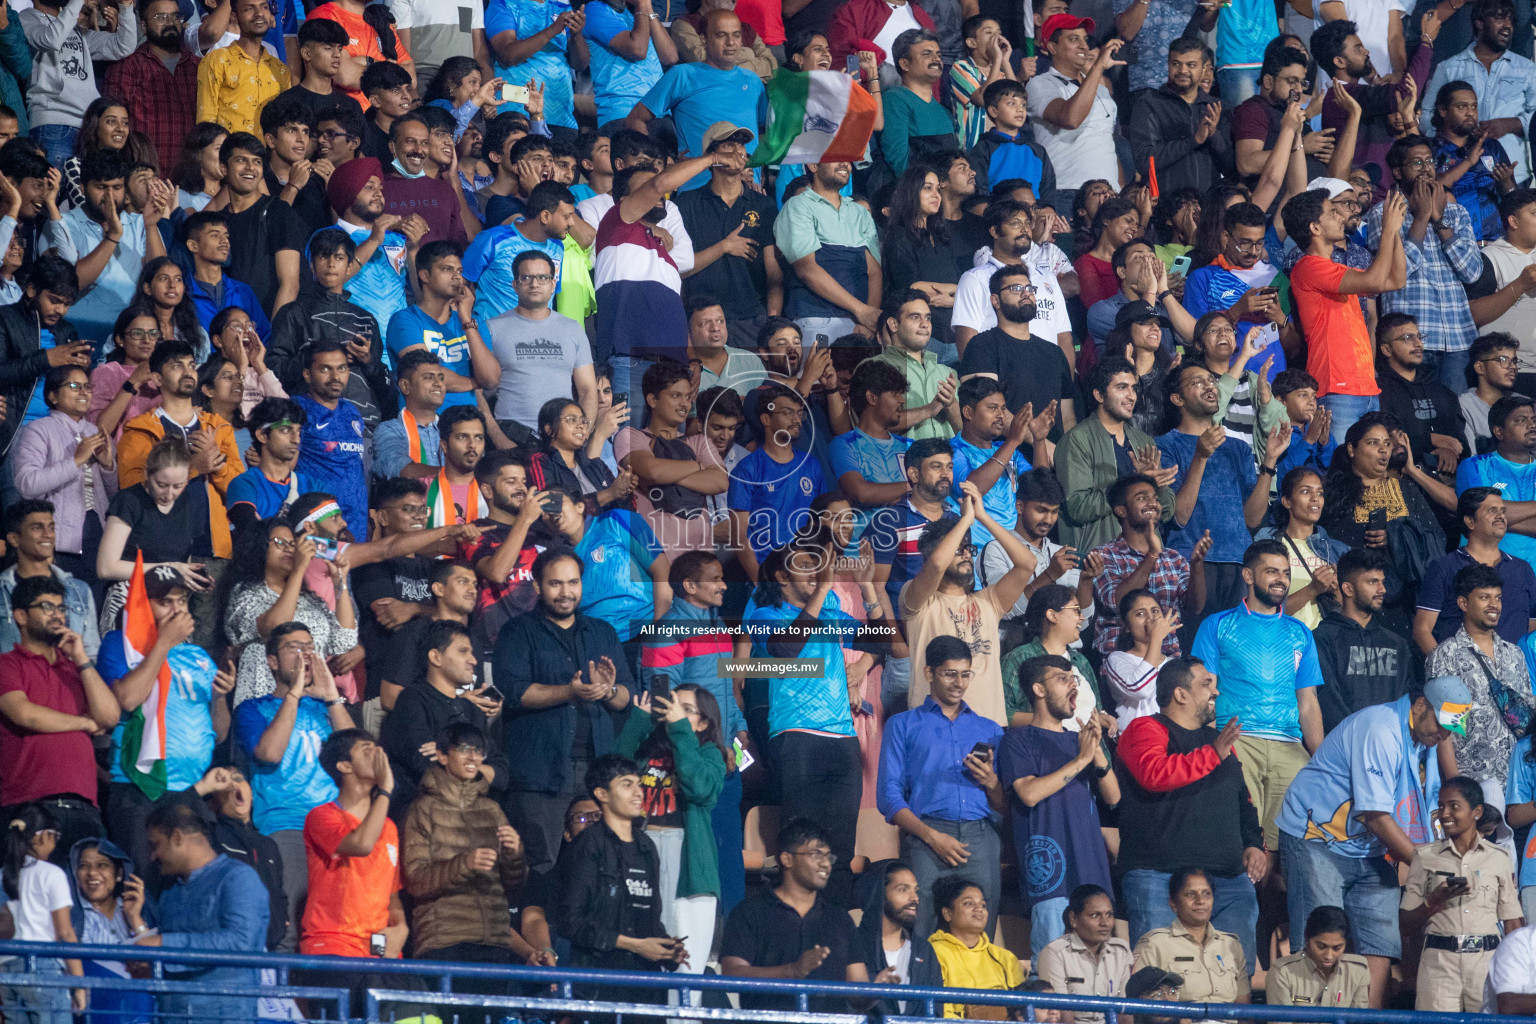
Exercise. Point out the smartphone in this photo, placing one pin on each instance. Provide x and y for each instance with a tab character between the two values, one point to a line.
1378	519
1459	880
552	504
1181	266
325	547
853	65
661	685
492	693
512	94
982	750
377	944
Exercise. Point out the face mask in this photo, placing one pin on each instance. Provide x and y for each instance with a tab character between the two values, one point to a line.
405	173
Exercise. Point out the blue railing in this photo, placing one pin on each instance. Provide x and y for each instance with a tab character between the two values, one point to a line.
563	999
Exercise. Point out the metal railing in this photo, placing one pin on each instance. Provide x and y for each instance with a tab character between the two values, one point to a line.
561	996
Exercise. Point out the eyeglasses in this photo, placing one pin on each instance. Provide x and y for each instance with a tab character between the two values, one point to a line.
164	19
1418	163
334	134
1501	360
226	378
282	544
46	607
1411	336
55	833
535	278
142	334
1018	289
467	750
573	420
78	385
1253	246
818	856
587	818
297	648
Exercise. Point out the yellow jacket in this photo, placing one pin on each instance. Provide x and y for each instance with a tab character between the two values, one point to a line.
983	966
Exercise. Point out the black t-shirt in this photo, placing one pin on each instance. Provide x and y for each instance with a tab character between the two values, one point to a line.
967	234
392	654
740	284
310	205
173	536
765	931
906	258
258	234
1030	369
317	105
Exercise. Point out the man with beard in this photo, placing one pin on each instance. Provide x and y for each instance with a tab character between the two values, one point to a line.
958	180
1256	120
1184	804
906	326
1427	409
833	249
52	701
158	83
356	193
512	536
1503	80
1180	123
107	244
1072	105
1474	166
1102	449
408	187
565	676
452	495
1340	54
1495	360
1511	468
331	444
888	940
945	816
942	599
1446	260
1011	226
270	233
442	322
410	445
1033	372
1046	769
547	217
1363	662
1217	492
1269	671
1241	282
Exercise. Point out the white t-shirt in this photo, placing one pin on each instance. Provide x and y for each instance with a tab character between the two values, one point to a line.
1512	970
1371	18
900	961
1133	683
973	297
594	209
901	20
43	888
1078	154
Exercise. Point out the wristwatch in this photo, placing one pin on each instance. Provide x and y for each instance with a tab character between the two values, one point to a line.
1267	470
130	387
379	791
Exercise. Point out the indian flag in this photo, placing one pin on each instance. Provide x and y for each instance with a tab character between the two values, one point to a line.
815	117
143	751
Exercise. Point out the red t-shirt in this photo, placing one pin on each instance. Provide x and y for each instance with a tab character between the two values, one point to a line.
766	19
363	42
38	764
348	896
1338	343
1096	279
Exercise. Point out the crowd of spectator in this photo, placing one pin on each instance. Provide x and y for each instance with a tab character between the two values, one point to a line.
461	500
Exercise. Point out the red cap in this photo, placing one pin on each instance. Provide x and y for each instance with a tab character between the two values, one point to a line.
1063	23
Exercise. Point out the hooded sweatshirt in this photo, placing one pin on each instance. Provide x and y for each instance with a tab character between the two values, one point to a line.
92	928
1362	665
62	83
984	966
869	941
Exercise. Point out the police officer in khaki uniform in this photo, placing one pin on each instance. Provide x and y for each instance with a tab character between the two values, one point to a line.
1322	974
1210	961
1088	960
1459	890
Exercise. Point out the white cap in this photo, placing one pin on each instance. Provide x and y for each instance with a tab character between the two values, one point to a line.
1335	186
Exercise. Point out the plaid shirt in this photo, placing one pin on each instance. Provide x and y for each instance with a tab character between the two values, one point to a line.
1168	582
161	103
1477	190
1438	272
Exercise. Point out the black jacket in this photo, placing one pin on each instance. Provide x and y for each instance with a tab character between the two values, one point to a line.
240	840
1422	406
1163	126
23	361
317	315
1362	665
420	713
869	945
595	906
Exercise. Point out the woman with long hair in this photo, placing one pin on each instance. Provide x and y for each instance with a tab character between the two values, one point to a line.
41	905
1086	201
561	459
163	292
1053	624
220	390
1132	668
1295	521
123	387
1138	337
917	251
264	588
198	174
682	758
234	335
458	88
105	125
1116	223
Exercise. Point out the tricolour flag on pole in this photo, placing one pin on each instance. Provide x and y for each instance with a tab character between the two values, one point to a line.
815	117
143	753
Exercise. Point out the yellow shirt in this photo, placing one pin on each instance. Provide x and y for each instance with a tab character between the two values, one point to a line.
1295	981
982	966
232	87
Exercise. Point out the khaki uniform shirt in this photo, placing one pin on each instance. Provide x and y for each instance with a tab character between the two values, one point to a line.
1213	973
1296	981
1069	967
1486	867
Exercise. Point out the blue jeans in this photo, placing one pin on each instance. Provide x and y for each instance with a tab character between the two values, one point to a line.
983	868
1046	925
1237	84
1366	889
57	140
627	375
1449	367
1236	908
35	1004
1347	409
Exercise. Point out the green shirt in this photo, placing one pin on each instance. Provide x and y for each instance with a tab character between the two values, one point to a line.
908	116
923	379
808	221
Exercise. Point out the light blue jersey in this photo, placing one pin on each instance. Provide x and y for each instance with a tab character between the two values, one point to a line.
619	83
379	287
1262	659
616	553
1001	499
527	18
488	266
816	703
189	735
412	326
283	794
1521	789
1514	481
698	95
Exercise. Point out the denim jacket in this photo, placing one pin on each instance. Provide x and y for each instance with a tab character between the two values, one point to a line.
80	608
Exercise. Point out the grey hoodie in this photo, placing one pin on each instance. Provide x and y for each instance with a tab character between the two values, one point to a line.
62	83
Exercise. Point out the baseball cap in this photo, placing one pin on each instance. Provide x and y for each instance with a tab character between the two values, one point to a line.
1063	23
1149	978
1451	700
160	580
1335	186
1136	312
724	131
